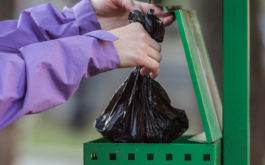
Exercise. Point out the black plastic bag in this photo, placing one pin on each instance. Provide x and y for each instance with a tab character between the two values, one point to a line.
152	24
140	110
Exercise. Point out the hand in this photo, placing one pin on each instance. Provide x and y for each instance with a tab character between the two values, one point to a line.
137	50
114	13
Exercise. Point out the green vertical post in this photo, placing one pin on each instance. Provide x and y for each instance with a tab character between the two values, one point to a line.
236	82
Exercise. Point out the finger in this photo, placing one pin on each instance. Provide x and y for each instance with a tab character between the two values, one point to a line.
149	40
145	7
168	19
151	65
155	45
154	54
144	71
153	76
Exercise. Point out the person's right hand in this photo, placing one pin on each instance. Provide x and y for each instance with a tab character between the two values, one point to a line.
136	48
112	14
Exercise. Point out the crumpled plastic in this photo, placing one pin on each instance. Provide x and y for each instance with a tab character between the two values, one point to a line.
140	111
152	24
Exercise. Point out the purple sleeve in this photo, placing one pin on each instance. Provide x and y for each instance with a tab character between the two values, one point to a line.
46	74
45	22
41	67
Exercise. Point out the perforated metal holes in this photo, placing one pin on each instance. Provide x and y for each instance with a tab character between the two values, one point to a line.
151	156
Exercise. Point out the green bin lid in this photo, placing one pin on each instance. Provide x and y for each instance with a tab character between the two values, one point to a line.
202	76
208	98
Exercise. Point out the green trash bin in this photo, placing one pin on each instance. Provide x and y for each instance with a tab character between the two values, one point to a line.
202	149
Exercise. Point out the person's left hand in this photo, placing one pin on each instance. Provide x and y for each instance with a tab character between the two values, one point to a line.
114	13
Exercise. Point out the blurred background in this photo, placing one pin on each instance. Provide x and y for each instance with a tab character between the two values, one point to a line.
55	137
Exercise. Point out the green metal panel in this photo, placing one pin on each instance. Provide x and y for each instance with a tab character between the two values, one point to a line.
201	73
181	152
236	81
